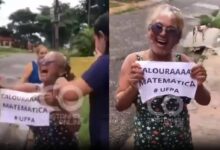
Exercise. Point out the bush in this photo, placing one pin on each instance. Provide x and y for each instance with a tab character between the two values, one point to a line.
205	20
82	44
216	22
215	13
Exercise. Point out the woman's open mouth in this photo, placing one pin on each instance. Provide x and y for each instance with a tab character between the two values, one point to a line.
44	71
161	42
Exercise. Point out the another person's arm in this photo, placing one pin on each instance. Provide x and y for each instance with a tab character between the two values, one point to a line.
131	73
72	90
92	80
27	72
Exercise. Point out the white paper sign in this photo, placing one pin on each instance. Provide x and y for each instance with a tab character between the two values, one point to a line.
23	108
166	78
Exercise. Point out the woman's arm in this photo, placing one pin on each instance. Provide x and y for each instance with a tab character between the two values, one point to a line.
129	76
72	90
23	87
198	72
27	72
202	95
94	79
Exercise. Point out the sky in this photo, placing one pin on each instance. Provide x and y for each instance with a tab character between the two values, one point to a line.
11	6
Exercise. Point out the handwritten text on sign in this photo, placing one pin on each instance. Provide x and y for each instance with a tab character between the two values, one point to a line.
163	78
22	108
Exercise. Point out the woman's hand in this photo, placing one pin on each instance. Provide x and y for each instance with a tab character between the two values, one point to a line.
135	75
198	73
59	84
50	99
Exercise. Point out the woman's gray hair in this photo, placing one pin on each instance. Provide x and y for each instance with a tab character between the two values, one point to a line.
170	10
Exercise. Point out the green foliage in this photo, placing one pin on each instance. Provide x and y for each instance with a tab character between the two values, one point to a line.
84	129
6	51
205	19
97	7
1	2
22	16
216	22
70	19
129	1
5	32
23	23
211	21
83	42
113	4
215	13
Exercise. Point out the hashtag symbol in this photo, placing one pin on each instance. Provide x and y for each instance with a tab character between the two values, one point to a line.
155	90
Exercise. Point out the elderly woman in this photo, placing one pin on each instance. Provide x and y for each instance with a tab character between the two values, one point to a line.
164	131
64	123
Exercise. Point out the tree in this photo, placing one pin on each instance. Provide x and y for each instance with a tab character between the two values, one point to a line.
212	20
70	20
44	22
23	16
1	2
83	42
5	32
97	7
24	25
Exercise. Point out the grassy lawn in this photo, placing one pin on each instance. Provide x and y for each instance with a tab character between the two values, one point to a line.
127	10
9	51
84	129
79	65
113	4
129	1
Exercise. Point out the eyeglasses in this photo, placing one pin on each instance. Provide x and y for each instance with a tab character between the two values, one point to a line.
157	28
46	62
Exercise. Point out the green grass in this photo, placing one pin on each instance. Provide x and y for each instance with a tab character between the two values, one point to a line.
129	1
127	10
9	51
79	65
84	129
113	4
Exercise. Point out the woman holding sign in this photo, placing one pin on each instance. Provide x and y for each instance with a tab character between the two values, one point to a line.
64	121
155	127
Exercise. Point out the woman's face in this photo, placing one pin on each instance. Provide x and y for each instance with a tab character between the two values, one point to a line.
100	44
42	52
49	68
163	34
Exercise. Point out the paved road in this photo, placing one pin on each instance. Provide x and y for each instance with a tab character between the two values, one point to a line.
128	35
11	68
